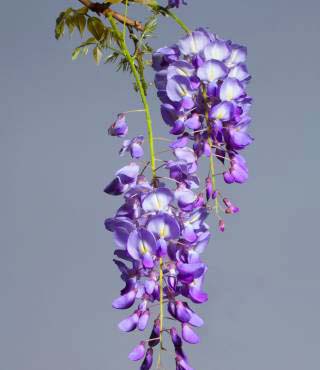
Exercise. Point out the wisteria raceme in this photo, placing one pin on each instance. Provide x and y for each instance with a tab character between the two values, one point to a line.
161	229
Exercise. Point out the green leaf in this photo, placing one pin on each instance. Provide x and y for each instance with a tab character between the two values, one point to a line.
89	41
112	57
60	21
75	53
149	27
80	22
96	27
82	11
124	65
85	50
97	54
70	24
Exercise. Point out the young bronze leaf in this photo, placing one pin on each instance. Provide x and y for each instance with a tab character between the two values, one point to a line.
96	27
97	55
80	22
59	30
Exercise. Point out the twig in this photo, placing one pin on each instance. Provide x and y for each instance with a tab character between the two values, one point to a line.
104	9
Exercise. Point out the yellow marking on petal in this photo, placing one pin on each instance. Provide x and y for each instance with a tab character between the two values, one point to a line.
229	93
193	45
182	91
211	74
143	248
194	219
182	72
158	203
164	231
220	114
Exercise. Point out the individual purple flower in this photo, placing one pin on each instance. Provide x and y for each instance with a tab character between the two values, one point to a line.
222	111
126	300
221	225
148	360
238	55
124	177
189	335
179	90
164	226
138	352
211	71
231	208
193	43
154	339
133	146
130	323
119	127
142	246
217	50
181	364
157	200
231	89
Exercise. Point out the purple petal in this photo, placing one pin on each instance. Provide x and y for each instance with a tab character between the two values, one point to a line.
222	111
178	88
218	50
129	324
238	55
143	320
115	187
138	352
148	360
128	174
240	72
158	200
212	70
197	295
180	68
193	122
125	301
181	312
194	43
119	127
231	89
147	261
189	335
164	226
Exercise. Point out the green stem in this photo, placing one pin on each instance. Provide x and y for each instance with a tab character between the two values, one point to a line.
136	75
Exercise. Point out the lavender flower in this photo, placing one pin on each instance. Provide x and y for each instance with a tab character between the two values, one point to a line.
119	127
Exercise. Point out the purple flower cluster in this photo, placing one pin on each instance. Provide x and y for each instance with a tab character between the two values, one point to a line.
156	222
201	82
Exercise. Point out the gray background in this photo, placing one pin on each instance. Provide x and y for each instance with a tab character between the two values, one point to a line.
57	279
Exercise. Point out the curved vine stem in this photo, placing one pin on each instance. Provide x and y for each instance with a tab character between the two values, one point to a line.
136	75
